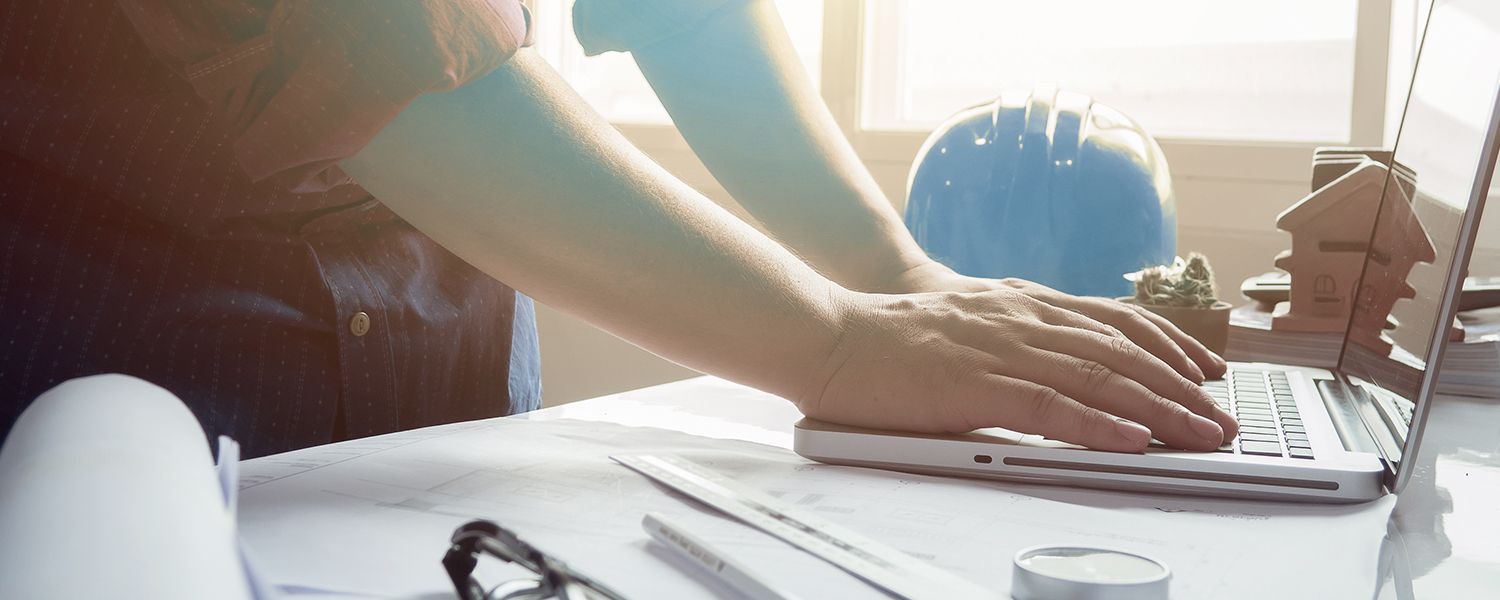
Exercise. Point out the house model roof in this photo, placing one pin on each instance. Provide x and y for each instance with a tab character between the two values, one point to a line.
1350	186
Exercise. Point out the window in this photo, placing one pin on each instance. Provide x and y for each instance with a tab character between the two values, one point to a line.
612	83
1215	80
1271	69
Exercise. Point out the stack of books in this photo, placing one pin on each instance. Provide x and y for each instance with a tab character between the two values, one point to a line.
1471	368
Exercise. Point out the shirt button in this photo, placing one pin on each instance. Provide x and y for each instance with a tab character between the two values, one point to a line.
359	324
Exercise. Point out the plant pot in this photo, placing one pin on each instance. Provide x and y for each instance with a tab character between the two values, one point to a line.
1210	326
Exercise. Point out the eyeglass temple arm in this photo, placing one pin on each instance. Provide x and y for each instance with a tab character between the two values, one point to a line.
463	556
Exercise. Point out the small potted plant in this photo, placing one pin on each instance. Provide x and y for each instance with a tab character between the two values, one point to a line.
1184	294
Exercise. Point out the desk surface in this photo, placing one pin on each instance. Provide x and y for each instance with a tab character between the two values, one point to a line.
1440	541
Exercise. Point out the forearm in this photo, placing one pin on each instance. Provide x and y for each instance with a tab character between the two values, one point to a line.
517	176
735	90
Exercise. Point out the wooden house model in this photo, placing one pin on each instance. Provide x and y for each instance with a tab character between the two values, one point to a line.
1331	236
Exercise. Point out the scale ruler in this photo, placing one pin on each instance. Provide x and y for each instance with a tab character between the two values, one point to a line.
901	575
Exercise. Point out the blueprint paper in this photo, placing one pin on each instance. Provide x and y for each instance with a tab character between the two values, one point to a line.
374	516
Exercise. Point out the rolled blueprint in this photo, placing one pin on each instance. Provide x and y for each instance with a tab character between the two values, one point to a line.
107	490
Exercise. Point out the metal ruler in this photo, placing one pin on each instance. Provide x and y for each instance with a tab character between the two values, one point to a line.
901	575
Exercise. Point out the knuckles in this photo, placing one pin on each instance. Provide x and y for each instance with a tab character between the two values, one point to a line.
1097	378
1043	404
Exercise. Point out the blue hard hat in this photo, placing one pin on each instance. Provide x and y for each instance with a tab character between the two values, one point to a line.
1047	186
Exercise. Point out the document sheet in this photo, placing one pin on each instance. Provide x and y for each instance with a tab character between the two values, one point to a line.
373	517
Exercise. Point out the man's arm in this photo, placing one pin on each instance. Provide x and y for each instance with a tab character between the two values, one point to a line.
515	174
519	177
736	91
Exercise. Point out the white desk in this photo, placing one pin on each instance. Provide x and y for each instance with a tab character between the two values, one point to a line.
1443	540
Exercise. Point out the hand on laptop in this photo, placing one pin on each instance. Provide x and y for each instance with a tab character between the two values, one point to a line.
1024	357
1148	330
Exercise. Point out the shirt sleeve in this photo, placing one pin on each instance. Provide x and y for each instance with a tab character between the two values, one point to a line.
303	84
626	25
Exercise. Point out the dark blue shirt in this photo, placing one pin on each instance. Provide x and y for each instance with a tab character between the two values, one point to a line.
171	208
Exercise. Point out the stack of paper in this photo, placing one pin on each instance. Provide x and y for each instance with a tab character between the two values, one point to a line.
1471	368
1252	340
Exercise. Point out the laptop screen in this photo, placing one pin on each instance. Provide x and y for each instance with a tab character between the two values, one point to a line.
1427	217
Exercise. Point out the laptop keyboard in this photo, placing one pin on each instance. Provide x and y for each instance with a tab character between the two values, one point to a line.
1262	401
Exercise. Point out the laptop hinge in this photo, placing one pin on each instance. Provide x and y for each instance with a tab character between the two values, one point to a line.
1357	421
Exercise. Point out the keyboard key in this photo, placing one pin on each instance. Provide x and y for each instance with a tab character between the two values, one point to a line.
1300	452
1229	447
1292	421
1259	437
1294	429
1246	412
1261	448
1297	438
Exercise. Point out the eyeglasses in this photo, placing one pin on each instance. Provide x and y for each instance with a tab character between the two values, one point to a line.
554	579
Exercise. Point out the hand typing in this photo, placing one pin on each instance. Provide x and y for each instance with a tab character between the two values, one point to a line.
1019	356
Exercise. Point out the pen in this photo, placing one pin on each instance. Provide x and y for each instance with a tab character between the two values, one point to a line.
705	556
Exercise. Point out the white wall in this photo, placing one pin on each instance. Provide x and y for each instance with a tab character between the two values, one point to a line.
1225	210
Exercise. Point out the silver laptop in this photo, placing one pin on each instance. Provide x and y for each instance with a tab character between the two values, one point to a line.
1307	434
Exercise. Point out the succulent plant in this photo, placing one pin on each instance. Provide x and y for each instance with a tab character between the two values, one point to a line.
1187	284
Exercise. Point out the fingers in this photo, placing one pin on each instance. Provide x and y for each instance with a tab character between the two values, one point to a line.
1145	333
1143	328
1124	358
1213	365
1094	384
999	401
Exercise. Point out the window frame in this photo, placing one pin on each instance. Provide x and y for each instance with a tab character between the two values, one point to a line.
841	85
